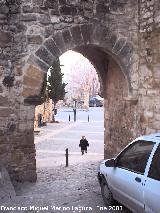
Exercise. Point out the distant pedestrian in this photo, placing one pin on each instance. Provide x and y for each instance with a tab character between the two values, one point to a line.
83	144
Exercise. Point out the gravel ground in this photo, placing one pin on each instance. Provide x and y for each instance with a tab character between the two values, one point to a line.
75	187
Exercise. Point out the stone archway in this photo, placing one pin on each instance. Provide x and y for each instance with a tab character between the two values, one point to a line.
33	32
86	40
104	52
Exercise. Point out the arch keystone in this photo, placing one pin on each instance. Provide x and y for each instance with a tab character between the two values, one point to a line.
76	35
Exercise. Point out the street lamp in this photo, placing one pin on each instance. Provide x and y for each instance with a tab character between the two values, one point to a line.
74	108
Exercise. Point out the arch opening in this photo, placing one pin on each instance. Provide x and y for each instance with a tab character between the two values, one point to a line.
114	87
109	58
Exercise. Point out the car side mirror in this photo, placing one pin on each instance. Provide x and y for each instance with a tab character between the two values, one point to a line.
110	163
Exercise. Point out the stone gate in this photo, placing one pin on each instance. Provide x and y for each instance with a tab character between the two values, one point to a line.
121	38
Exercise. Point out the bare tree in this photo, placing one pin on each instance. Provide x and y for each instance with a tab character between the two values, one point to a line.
83	77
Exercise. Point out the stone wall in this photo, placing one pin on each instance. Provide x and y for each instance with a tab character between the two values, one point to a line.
149	66
121	38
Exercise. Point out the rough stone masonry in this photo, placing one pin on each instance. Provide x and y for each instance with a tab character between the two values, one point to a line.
121	38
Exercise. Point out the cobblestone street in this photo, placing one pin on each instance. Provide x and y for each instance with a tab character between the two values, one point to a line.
74	188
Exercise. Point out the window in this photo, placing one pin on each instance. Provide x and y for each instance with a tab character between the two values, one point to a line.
135	156
154	171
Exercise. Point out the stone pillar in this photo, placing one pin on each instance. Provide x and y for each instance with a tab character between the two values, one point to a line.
120	110
17	149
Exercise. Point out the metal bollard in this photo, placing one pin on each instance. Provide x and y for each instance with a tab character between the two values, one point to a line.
67	157
88	118
69	118
74	111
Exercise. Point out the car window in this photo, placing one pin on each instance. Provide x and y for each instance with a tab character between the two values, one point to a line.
135	156
154	171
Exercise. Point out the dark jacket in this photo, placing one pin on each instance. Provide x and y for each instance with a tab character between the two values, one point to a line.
83	144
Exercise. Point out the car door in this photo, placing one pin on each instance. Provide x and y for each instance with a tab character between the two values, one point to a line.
152	185
128	175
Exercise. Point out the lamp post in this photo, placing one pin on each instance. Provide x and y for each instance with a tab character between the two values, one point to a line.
74	109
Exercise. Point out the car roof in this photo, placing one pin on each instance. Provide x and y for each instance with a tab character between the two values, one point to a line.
155	137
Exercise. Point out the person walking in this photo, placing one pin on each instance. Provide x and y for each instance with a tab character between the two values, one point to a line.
83	144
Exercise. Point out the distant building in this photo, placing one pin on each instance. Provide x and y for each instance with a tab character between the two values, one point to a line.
45	111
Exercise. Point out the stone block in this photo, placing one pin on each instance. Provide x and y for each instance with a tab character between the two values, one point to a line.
51	46
62	2
31	82
156	125
55	19
150	130
45	19
67	38
131	99
27	137
126	50
86	33
4	101
34	39
153	92
156	71
11	127
58	39
37	2
4	9
119	45
113	39
51	4
30	91
45	56
5	38
35	61
99	34
1	89
18	71
15	9
67	10
22	126
157	116
76	35
34	100
5	111
54	11
28	17
35	73
27	9
102	9
148	114
17	157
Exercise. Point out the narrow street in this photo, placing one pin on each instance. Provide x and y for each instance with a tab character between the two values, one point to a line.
74	188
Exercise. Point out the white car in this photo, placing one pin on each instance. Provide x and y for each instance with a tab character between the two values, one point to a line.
133	177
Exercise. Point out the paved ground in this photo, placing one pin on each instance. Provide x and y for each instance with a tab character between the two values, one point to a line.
66	189
55	138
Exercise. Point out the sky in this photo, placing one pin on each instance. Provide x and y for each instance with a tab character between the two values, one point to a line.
68	60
